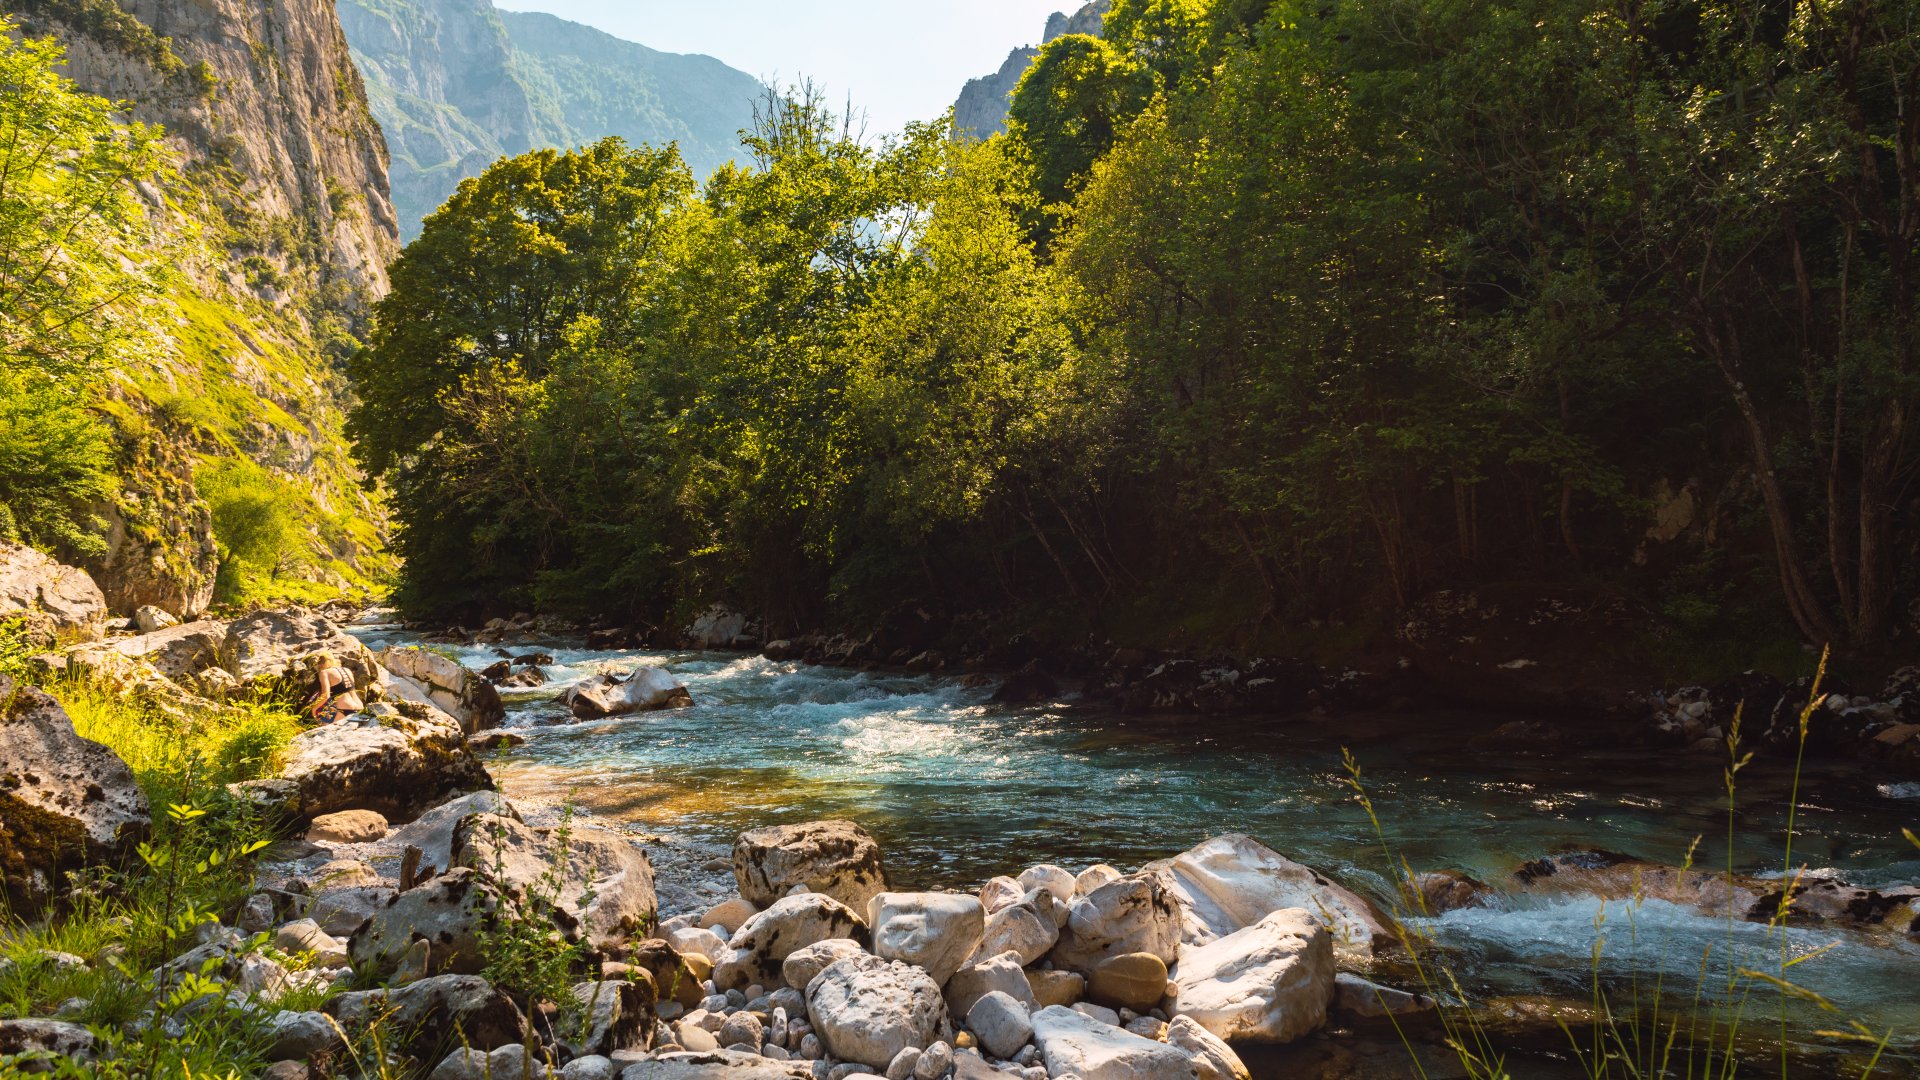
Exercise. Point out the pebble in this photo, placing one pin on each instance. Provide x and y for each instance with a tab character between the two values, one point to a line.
696	1038
811	1048
715	1003
902	1065
744	1028
934	1062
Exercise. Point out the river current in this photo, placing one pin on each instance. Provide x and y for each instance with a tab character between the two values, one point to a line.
958	790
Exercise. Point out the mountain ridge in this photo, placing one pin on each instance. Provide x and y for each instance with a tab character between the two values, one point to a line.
458	84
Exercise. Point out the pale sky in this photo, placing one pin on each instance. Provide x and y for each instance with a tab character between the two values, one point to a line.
900	60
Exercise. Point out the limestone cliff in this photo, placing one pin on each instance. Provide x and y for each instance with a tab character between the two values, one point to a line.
457	85
279	229
981	110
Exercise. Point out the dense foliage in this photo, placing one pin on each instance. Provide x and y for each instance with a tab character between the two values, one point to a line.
1274	310
72	302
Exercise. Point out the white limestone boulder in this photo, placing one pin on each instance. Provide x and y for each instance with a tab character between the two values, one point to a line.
837	858
1212	1058
933	931
867	1010
1073	1044
419	674
1231	882
1135	914
1003	974
1269	983
802	964
758	951
646	690
605	893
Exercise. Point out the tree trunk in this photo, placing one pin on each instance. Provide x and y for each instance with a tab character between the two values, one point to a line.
1723	346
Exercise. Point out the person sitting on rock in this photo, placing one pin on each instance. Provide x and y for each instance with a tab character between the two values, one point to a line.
336	696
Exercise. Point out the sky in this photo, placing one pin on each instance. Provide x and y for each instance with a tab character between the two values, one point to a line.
900	60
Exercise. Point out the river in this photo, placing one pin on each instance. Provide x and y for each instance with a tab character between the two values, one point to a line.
958	790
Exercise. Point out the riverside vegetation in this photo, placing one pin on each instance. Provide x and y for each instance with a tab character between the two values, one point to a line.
1260	316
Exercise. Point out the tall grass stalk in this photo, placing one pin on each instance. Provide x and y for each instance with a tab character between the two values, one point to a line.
1647	1034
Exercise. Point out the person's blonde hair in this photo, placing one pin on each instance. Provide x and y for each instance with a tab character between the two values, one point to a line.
322	661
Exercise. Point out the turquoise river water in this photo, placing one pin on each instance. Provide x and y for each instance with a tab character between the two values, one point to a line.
958	790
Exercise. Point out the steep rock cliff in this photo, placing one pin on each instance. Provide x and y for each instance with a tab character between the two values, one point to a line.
278	230
981	110
457	85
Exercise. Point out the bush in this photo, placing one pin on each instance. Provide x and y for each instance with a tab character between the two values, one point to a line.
56	461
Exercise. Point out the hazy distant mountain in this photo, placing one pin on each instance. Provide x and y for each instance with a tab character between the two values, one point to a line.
457	84
982	108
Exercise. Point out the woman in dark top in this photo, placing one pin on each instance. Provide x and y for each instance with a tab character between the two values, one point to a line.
336	697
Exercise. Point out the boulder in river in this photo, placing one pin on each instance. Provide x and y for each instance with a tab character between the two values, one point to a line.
1231	882
65	801
1268	983
445	683
646	690
837	858
56	600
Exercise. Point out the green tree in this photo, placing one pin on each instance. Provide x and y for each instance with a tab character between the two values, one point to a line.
1071	107
74	288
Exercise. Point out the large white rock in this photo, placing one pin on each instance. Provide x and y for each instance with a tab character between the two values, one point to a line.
933	931
759	950
1231	882
604	893
65	802
1135	914
1002	974
447	913
178	652
149	618
1000	892
698	939
837	858
647	689
432	832
424	675
1073	1044
55	599
1028	928
1269	983
269	648
802	964
400	766
1051	878
1212	1058
867	1010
